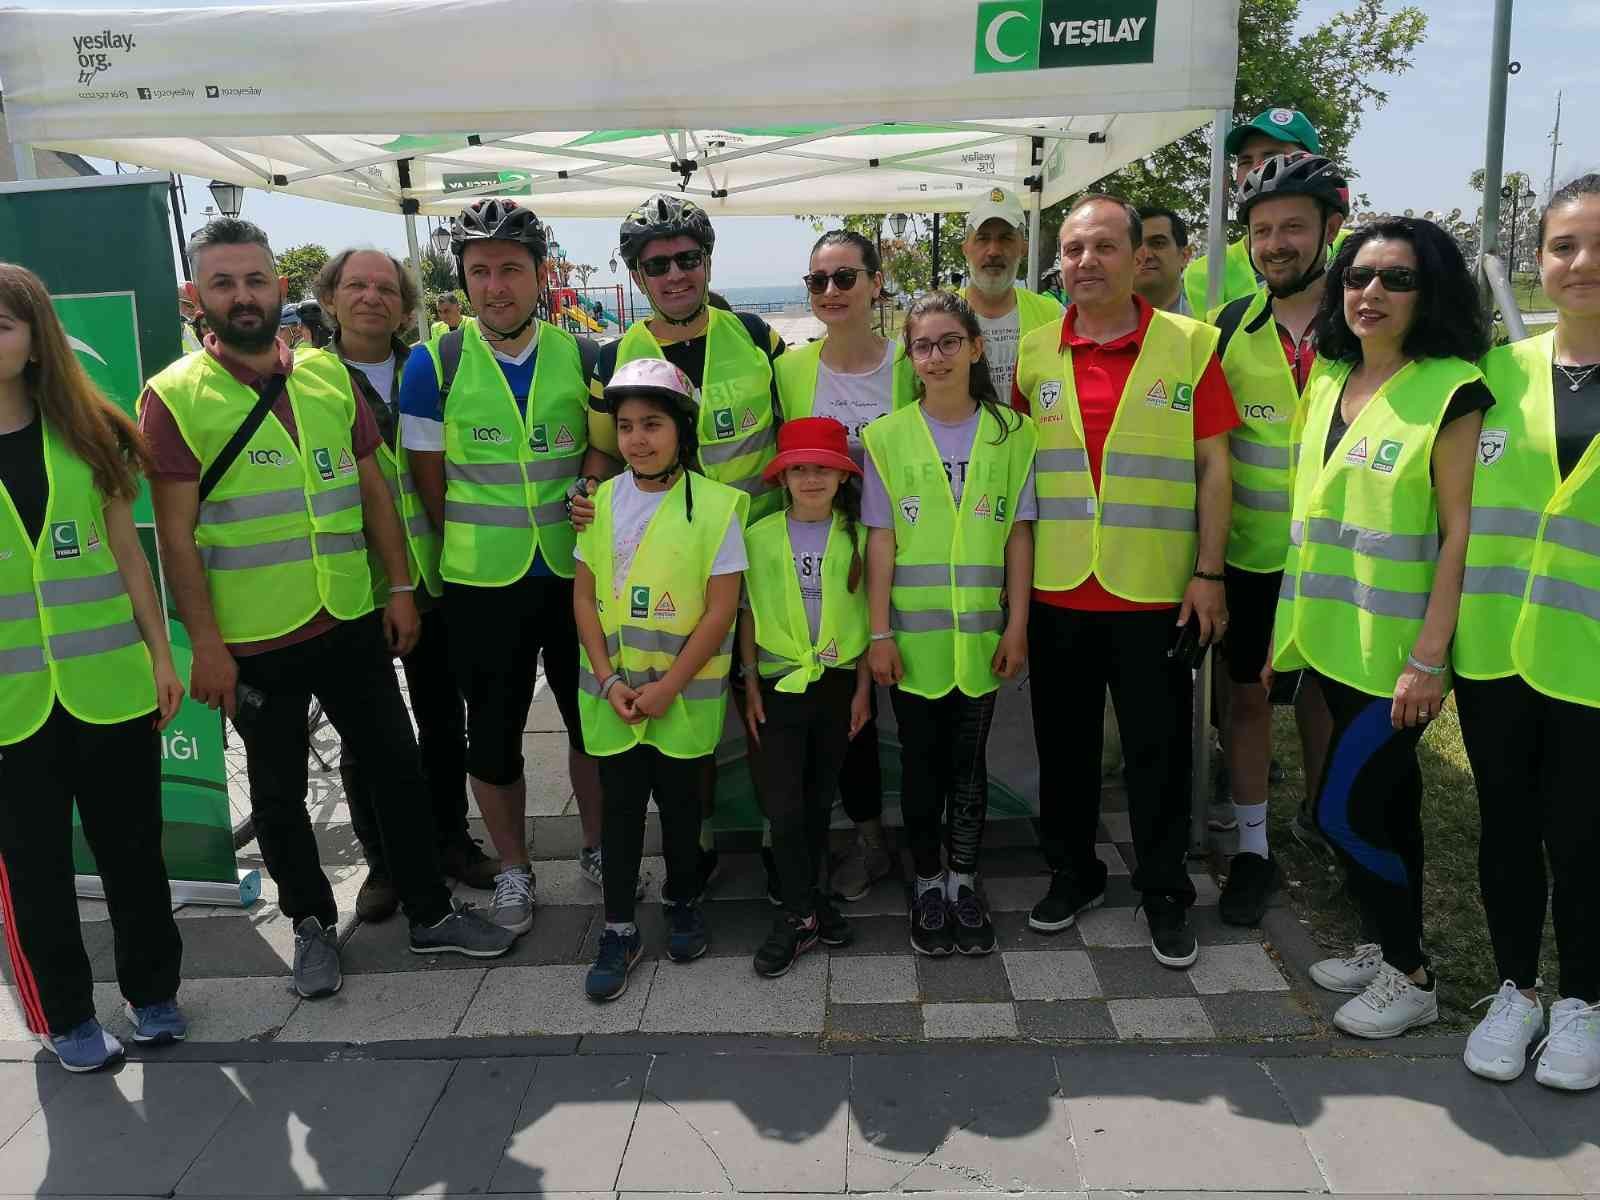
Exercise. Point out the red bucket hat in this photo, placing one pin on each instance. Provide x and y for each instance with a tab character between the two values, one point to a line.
821	441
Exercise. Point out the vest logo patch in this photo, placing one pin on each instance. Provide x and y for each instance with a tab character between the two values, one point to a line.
1357	457
564	439
1491	446
1157	395
346	463
911	509
93	541
1388	455
981	509
322	459
722	422
1000	508
665	608
488	433
64	539
1183	398
269	458
639	603
539	439
830	652
1049	394
749	420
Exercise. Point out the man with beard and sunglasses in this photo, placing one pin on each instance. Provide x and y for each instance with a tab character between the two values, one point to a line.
994	246
267	497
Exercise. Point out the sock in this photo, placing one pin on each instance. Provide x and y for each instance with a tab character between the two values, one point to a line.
930	883
956	880
1252	820
625	928
708	837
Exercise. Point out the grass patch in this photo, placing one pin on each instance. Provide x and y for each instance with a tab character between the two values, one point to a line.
1530	296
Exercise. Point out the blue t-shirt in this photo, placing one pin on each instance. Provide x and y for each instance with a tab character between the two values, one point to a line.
422	408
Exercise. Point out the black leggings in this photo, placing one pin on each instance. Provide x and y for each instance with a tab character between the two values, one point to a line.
627	781
861	776
944	769
1533	762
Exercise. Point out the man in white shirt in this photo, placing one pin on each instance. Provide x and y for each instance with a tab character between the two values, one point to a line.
994	247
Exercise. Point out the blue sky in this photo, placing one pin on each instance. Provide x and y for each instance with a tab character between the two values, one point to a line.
1416	153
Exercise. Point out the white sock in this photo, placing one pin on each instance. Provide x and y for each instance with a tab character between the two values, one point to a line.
708	836
931	883
1252	820
625	928
955	881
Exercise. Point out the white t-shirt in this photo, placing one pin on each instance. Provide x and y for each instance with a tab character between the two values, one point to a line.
856	400
808	540
631	510
379	374
1000	336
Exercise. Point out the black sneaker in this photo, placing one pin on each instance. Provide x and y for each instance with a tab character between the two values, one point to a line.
710	868
1171	939
931	927
687	938
1251	882
973	929
464	860
790	938
1062	903
832	927
774	894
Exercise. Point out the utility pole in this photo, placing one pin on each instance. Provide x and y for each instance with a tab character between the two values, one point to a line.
1555	144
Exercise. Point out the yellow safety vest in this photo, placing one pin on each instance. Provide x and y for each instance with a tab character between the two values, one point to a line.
784	646
1033	310
796	371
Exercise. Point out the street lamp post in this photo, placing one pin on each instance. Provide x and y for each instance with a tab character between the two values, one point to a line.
439	239
229	197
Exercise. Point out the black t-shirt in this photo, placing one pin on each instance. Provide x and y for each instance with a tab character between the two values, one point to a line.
23	474
1577	419
689	357
1469	398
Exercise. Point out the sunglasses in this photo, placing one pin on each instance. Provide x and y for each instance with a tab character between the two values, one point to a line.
687	260
947	346
1394	279
844	278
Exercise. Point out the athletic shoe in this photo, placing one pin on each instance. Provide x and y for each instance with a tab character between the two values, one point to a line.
789	939
866	862
1251	882
974	931
88	1047
686	932
464	860
512	906
774	892
931	926
158	1024
710	870
1350	975
1498	1047
1220	817
1063	903
1390	1005
462	931
590	865
1569	1057
619	955
316	960
377	900
1171	939
832	927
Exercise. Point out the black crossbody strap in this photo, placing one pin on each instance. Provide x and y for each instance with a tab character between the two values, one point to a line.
449	361
241	436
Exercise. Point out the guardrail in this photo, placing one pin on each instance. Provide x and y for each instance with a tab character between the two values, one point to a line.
1505	297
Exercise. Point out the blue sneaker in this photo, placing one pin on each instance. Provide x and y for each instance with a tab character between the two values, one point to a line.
686	932
158	1024
619	954
86	1048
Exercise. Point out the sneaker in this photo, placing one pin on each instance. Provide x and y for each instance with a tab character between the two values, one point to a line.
686	932
619	955
1351	974
710	869
1569	1057
1220	817
1171	939
1251	882
1304	828
1390	1005
158	1024
974	931
377	900
774	892
316	960
85	1048
931	931
832	927
1498	1047
464	860
863	864
463	931
512	906
591	865
790	938
1063	903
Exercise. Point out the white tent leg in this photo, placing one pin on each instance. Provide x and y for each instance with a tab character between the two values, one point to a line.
22	155
1033	241
416	273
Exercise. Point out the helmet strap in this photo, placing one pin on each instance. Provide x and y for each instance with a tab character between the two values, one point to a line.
659	475
491	334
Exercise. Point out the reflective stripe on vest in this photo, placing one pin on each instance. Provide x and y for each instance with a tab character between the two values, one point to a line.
424	545
784	645
797	368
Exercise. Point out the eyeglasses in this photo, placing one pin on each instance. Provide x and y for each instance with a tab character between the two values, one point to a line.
1394	279
844	278
947	346
687	260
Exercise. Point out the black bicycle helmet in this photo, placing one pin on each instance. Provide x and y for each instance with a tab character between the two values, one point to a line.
1296	174
497	220
664	216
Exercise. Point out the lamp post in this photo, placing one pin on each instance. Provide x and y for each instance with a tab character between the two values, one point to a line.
229	197
439	239
1519	196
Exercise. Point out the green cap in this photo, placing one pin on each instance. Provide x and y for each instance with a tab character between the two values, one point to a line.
1279	124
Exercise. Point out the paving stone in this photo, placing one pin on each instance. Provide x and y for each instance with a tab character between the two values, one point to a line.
963	977
1236	969
875	935
519	1001
544	768
1011	932
875	1020
873	979
991	1020
1062	1019
219	1010
1113	927
1565	1125
574	1124
1205	888
723	995
1116	863
13	1024
886	898
1171	1019
406	1006
1015	893
1421	1127
718	1124
1257	1015
981	1120
1117	826
1136	973
557	936
461	1145
1012	862
560	882
1210	929
24	1088
1051	975
229	947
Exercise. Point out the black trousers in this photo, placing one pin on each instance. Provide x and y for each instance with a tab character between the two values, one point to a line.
804	745
627	781
1533	761
441	721
1076	656
114	774
861	775
944	776
349	669
1369	808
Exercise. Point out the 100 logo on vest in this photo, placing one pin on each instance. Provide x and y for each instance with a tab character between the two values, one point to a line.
268	458
1259	412
489	433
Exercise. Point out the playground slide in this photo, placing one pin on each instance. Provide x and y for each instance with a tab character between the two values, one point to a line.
582	318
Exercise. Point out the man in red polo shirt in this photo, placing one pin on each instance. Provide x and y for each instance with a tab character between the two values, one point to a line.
1134	492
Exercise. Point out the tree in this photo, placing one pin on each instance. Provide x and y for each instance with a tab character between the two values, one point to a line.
1519	203
300	265
584	272
907	260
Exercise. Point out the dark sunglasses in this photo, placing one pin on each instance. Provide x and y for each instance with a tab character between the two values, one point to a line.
1394	279
687	260
844	278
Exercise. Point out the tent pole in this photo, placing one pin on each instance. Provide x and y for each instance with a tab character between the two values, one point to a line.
1495	135
416	272
1033	242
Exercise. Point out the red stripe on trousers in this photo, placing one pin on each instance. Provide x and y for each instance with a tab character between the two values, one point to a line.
27	986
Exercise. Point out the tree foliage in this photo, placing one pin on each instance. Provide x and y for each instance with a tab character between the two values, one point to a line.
300	265
1519	203
908	259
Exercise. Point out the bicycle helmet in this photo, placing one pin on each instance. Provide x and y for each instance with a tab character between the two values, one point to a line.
657	379
664	216
1296	174
496	220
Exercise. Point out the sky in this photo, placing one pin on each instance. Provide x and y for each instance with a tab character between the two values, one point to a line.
1416	153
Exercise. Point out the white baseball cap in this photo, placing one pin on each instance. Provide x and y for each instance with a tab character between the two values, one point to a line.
997	203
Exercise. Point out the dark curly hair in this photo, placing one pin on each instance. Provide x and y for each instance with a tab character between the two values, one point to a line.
1450	321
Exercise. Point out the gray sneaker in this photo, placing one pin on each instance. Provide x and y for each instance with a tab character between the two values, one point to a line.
463	931
512	907
862	865
316	960
591	865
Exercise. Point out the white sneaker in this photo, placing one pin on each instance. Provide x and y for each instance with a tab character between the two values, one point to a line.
1498	1047
1351	974
1391	1005
512	907
1570	1055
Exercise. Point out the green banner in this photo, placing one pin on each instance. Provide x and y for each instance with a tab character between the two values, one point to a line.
103	248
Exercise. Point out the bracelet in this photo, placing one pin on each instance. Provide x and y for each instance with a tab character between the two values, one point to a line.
1416	664
611	681
402	587
881	637
1209	577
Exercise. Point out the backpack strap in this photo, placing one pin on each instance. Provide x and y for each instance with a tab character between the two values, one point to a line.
449	360
1228	322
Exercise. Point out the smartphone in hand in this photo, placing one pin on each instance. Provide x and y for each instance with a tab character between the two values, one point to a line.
1187	647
